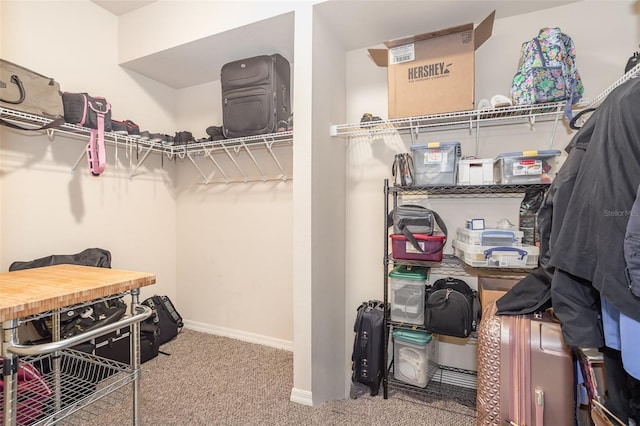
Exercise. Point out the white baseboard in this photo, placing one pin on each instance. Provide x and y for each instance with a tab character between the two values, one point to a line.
301	397
240	335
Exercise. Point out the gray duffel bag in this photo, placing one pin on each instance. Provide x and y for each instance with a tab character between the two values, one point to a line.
410	219
27	91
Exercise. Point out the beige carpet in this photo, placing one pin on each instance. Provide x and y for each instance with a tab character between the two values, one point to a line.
212	380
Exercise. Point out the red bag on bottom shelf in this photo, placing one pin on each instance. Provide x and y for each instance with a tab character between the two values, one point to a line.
33	391
431	245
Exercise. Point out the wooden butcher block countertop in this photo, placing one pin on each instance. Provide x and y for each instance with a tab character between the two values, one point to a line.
32	291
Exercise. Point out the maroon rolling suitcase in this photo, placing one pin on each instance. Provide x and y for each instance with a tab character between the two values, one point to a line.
525	371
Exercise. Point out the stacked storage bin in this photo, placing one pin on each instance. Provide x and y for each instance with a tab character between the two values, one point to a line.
415	355
436	163
408	293
494	248
526	167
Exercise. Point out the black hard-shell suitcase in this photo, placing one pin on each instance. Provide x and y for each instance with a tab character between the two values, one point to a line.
256	95
368	346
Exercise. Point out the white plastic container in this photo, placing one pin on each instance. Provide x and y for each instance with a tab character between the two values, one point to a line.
523	256
415	356
407	293
489	237
475	171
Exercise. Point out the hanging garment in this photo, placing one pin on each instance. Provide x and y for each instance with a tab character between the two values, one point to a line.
590	242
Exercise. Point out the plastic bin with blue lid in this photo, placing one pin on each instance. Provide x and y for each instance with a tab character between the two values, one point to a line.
407	293
517	256
526	167
415	356
490	237
436	163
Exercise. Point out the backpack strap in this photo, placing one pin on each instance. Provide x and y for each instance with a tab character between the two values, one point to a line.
574	120
396	170
407	170
573	77
96	152
477	310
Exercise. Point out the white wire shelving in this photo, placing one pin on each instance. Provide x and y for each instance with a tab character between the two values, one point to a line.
231	148
475	119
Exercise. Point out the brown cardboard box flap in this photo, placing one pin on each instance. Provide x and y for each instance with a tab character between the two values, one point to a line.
484	30
379	56
428	36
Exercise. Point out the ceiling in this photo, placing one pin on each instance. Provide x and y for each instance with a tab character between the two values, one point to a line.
118	7
200	61
360	23
356	24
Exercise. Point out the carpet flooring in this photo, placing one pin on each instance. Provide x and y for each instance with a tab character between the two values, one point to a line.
213	380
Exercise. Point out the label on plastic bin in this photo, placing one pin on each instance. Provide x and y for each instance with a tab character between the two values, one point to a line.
435	156
527	167
409	248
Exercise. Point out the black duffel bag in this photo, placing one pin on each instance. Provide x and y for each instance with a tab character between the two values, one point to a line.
77	318
452	308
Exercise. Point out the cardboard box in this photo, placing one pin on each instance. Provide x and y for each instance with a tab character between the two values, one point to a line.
434	72
491	289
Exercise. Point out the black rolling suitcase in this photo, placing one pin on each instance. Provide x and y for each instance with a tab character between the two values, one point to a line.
255	95
368	346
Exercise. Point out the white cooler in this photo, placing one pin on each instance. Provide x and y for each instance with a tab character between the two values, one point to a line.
415	356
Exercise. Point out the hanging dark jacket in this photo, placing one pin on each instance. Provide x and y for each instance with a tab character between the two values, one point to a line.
590	242
534	292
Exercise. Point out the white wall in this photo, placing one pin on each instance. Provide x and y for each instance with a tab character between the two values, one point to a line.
45	208
165	222
234	241
167	24
605	34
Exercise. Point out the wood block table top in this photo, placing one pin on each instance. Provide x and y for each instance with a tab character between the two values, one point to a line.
32	291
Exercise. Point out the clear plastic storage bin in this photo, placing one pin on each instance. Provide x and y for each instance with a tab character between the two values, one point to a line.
415	356
489	237
526	167
523	256
407	293
436	163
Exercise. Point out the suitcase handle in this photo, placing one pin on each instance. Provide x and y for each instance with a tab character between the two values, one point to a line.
490	251
16	80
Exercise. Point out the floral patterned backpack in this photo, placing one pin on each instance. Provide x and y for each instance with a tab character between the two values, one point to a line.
547	71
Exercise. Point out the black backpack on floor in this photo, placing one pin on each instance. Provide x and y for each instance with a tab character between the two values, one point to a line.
165	316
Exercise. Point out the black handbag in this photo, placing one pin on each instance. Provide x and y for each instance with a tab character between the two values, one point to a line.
452	308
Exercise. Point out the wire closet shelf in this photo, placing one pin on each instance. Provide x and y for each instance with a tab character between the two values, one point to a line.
231	148
471	119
